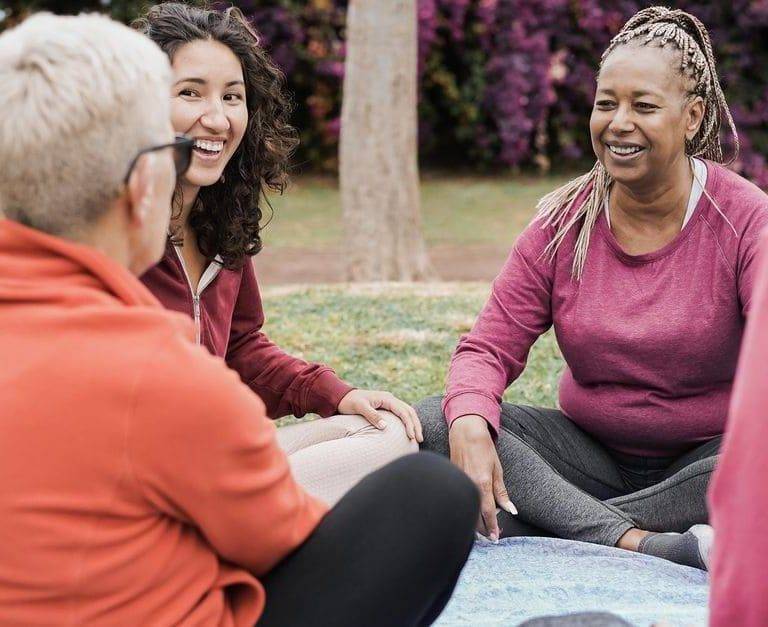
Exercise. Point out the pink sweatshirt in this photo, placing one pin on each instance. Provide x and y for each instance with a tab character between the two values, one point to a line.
650	341
739	491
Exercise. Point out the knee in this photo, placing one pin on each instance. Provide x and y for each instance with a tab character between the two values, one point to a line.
439	491
429	505
430	412
447	485
430	409
395	437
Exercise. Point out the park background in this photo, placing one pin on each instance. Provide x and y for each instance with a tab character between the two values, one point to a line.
504	92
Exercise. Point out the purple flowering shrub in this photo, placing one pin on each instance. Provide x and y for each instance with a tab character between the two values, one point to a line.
508	83
306	40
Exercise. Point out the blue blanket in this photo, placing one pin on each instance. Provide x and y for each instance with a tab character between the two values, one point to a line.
521	578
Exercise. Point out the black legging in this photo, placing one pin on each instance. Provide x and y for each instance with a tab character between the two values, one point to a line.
388	554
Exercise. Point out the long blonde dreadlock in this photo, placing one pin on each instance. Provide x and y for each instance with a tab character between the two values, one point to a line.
664	28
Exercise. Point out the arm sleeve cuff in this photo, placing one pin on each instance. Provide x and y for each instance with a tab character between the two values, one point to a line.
475	404
325	394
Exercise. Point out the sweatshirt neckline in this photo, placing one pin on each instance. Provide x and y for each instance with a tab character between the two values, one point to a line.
610	238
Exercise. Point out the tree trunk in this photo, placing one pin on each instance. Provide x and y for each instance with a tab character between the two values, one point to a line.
378	149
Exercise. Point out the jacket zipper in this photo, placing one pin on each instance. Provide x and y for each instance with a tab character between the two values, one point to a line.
209	274
196	311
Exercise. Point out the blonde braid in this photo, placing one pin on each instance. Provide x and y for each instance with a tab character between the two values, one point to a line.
661	27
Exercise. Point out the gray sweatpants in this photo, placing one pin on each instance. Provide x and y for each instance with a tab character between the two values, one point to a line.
566	483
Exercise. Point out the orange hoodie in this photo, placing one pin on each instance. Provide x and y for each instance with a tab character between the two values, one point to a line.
140	480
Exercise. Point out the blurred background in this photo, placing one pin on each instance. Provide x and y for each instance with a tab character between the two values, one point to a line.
505	88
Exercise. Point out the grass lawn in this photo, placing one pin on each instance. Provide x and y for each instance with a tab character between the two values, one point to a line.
397	337
455	210
400	337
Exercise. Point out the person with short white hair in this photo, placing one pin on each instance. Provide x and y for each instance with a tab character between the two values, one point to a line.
90	100
140	480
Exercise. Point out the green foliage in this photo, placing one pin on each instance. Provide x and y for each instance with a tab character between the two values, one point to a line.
397	337
13	11
503	83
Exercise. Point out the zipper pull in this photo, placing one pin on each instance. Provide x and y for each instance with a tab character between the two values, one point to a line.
196	310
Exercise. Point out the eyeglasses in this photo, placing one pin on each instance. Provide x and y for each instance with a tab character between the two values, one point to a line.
182	154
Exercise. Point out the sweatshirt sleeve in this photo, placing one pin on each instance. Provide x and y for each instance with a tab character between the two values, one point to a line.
204	452
749	254
493	354
286	384
738	495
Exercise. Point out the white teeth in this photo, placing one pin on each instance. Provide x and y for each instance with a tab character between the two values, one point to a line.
210	146
625	150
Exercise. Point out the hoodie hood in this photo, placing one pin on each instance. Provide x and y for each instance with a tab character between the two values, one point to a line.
42	268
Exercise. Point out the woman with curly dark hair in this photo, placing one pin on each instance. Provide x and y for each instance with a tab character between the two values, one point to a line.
228	96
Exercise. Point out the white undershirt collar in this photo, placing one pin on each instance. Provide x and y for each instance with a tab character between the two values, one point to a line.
697	189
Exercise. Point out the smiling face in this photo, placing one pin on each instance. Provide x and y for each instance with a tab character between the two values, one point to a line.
642	114
208	102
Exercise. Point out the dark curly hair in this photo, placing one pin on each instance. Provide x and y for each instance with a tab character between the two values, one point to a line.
226	217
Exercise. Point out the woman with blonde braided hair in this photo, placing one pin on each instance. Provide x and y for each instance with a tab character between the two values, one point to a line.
644	267
664	28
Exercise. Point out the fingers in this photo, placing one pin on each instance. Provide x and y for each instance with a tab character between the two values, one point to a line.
488	509
366	402
402	411
409	428
472	449
367	411
417	424
500	490
405	412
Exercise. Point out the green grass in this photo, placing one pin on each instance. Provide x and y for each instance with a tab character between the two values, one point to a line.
455	210
393	336
396	337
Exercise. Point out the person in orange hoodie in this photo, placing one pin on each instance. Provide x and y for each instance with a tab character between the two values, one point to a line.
140	480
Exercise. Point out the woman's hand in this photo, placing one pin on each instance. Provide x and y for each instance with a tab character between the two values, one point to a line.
473	450
366	402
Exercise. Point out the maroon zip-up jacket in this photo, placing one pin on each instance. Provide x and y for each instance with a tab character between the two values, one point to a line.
228	317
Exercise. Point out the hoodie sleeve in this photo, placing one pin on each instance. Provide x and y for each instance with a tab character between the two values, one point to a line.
204	452
286	384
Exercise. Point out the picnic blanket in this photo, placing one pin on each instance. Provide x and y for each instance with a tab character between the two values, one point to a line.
522	578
